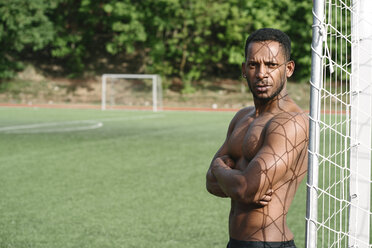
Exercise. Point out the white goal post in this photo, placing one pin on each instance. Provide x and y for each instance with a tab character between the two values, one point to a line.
339	176
157	103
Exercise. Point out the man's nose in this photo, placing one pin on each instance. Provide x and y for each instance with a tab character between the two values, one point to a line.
261	71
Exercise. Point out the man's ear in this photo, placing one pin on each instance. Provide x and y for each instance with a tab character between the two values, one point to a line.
243	70
290	66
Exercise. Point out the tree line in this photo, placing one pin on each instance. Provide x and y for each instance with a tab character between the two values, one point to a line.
189	39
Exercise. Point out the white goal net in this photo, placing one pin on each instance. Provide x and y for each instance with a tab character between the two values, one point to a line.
339	176
136	91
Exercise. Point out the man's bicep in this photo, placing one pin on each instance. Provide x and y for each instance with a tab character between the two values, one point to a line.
276	157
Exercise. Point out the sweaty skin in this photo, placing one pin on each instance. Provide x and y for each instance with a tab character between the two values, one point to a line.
264	157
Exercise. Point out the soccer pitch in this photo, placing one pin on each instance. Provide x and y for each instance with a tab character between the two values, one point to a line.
91	178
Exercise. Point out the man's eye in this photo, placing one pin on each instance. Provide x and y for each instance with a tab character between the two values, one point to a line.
252	64
272	65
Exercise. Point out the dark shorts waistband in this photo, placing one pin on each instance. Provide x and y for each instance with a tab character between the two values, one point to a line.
233	243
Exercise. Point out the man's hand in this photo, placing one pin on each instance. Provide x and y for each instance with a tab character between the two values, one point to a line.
224	161
266	198
228	163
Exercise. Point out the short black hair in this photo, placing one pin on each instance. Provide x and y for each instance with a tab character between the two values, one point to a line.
270	34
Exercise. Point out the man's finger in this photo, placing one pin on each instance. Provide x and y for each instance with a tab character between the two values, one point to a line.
269	192
266	198
225	157
263	203
218	162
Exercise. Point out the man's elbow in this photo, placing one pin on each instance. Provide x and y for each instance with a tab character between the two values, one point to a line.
215	190
209	188
210	181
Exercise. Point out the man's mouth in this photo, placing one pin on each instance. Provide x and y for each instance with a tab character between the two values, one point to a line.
262	87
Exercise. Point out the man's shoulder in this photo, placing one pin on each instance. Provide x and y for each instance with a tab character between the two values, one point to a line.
243	113
245	110
291	114
287	130
290	123
297	116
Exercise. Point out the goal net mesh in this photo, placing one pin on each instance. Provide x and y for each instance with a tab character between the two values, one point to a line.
339	215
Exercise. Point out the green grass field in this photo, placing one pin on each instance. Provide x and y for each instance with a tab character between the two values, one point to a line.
87	178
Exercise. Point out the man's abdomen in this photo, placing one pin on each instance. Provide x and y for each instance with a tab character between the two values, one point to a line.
251	223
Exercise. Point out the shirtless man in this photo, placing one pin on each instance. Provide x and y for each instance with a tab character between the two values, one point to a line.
264	157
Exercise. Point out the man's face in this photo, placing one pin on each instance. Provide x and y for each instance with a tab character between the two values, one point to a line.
266	69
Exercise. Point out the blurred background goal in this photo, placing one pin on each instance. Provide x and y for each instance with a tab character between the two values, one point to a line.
132	90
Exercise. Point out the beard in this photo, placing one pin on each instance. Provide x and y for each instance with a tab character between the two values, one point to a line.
267	98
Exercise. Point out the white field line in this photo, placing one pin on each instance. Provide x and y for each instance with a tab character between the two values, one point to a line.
68	126
51	127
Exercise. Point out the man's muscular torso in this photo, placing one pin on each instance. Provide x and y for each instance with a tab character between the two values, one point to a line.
250	221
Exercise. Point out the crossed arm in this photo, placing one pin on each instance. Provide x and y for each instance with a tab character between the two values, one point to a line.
213	185
285	138
225	181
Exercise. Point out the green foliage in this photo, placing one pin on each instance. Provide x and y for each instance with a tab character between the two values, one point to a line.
190	39
299	29
197	36
202	38
23	24
188	88
125	23
78	27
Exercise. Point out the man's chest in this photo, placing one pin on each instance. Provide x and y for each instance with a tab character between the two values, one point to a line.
247	138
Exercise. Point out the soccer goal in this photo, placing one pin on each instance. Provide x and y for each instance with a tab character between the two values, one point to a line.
339	176
132	90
